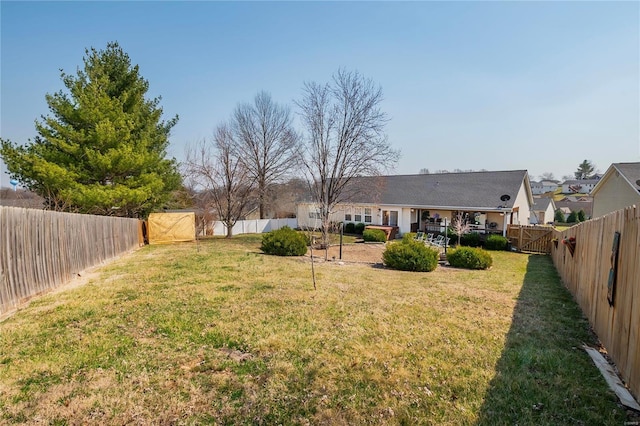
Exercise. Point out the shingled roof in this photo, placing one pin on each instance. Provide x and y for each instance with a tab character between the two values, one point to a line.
631	172
473	190
541	204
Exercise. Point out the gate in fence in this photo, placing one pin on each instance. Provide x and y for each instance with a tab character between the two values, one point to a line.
530	238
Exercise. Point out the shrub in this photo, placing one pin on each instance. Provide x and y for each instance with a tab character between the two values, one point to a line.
451	233
582	216
359	228
284	242
558	216
374	235
471	239
409	236
350	228
410	255
572	218
469	258
496	242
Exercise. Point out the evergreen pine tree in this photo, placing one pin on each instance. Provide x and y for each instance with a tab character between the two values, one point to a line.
102	150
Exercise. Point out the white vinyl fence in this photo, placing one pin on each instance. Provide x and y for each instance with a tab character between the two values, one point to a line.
257	226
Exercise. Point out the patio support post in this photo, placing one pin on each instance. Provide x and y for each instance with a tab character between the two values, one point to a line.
446	235
504	224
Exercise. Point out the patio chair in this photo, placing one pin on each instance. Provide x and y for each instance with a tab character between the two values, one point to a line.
439	241
429	238
419	236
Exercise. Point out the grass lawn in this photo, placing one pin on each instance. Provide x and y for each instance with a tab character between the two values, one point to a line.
227	335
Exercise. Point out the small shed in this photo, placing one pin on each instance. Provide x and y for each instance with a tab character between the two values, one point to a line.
172	227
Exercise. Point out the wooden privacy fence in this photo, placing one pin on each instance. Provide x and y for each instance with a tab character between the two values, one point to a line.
585	260
530	238
41	250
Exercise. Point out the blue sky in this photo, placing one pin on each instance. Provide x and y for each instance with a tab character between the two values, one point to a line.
467	85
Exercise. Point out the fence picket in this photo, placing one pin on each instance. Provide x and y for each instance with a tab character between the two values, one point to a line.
43	249
586	276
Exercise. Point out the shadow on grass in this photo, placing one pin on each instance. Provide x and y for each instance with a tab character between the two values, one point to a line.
543	376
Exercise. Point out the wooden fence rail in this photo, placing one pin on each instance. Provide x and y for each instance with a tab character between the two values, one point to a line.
41	250
585	269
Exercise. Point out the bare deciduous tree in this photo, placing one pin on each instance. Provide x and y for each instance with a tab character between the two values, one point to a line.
265	140
219	178
547	176
345	138
460	225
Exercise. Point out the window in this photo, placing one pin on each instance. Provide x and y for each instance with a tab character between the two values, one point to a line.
390	218
393	218
367	215
347	217
358	216
314	215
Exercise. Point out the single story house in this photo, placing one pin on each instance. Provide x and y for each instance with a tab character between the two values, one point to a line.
488	200
543	211
618	188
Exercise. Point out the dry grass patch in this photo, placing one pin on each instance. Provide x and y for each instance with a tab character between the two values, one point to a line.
228	335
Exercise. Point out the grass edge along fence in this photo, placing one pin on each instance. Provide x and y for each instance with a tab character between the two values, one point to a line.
41	250
585	260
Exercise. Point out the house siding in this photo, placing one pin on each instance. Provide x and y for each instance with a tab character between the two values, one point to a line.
539	188
306	210
614	194
521	217
541	217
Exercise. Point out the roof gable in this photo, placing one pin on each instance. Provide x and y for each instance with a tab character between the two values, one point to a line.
629	171
541	204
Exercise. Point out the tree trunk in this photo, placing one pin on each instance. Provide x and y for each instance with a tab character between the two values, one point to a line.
261	206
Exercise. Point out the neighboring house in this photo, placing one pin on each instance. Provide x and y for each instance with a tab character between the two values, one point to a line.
576	206
566	211
618	188
490	201
583	186
543	211
575	199
544	186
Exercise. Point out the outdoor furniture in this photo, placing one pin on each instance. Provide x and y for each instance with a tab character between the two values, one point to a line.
444	242
419	236
429	238
439	241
